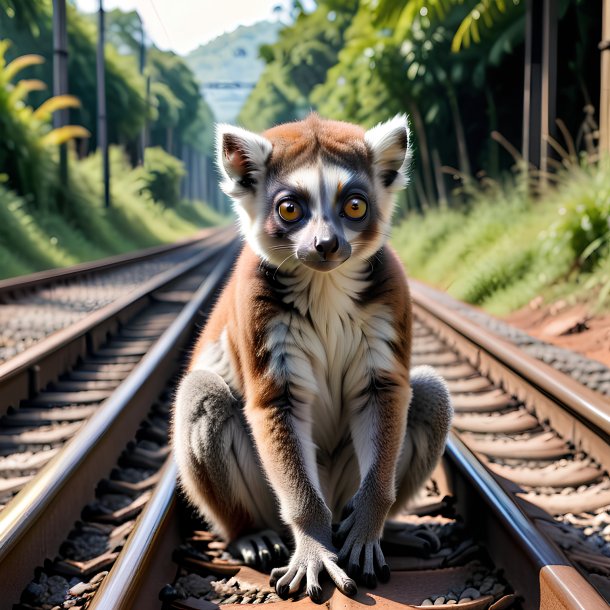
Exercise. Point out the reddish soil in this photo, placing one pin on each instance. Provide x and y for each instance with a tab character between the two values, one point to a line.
573	327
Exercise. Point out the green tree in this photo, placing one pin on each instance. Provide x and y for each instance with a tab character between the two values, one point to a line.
296	63
125	87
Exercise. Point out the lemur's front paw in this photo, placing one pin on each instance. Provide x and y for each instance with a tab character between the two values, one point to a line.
361	551
309	559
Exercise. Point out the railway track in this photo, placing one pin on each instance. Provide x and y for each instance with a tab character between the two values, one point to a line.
73	400
516	516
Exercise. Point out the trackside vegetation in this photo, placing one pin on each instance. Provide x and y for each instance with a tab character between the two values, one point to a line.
45	223
507	246
468	223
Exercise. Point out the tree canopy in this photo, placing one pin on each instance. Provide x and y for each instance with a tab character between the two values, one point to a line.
454	66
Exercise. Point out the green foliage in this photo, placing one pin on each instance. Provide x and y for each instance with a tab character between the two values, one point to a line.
178	112
582	223
297	62
124	86
505	249
25	244
161	177
481	16
23	11
27	137
86	230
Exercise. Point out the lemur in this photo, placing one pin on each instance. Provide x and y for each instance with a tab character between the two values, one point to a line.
298	410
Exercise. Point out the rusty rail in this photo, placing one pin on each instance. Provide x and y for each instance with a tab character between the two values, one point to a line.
39	279
24	375
34	523
575	412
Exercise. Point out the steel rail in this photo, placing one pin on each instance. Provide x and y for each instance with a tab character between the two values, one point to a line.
573	410
543	575
40	279
589	405
35	522
27	373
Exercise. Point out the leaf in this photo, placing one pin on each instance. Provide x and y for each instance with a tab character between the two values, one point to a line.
53	104
593	247
20	63
25	86
58	136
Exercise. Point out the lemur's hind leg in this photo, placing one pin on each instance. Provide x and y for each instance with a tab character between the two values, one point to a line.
428	424
220	469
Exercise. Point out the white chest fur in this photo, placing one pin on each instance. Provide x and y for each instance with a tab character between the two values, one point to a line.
329	349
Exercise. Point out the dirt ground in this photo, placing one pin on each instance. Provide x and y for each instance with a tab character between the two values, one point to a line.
573	327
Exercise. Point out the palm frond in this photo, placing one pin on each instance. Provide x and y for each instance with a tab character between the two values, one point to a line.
482	17
64	134
25	86
20	63
53	104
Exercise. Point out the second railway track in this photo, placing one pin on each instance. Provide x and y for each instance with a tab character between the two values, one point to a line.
72	401
517	517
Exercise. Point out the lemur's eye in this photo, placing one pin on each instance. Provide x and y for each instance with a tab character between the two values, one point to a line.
355	208
290	211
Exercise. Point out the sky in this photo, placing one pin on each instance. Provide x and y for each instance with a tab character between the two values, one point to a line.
182	25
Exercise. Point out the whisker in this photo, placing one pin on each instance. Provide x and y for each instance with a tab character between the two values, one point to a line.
278	267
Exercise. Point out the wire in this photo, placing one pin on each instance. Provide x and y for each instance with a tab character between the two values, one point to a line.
169	39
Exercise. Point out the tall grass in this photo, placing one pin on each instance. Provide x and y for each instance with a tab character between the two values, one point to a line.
31	240
507	248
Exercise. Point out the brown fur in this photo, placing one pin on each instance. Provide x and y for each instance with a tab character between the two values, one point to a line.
295	404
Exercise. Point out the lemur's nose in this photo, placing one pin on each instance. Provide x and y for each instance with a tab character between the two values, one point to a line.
328	244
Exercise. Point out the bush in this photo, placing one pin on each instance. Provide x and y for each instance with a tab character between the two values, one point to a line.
26	162
162	176
582	220
505	249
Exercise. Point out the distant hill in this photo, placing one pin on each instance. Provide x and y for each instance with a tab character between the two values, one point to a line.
231	58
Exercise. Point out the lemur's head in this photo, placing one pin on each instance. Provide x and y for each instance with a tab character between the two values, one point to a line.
314	192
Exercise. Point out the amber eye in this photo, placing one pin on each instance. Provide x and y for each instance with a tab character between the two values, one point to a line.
355	208
290	210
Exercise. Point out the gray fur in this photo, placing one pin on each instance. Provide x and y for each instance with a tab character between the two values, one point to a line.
220	443
428	424
211	436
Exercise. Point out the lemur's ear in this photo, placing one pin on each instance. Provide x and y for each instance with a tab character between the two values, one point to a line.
389	145
241	158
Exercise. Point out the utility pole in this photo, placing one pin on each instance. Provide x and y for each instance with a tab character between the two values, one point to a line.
604	104
549	80
142	147
60	79
532	102
102	121
540	87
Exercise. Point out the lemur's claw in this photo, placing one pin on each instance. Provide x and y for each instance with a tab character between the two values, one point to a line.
354	570
369	580
276	574
260	551
383	572
283	591
315	594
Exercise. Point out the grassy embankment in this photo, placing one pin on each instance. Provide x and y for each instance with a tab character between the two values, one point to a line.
33	239
506	248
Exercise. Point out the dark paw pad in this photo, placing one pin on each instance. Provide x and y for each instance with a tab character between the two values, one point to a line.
315	594
353	570
350	589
